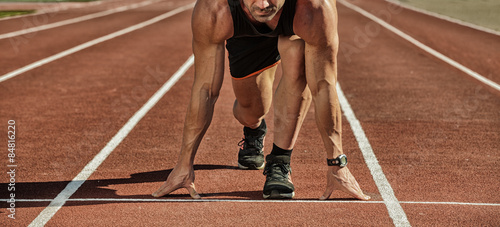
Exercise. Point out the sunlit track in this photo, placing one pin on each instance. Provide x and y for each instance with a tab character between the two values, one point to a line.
111	97
92	43
424	47
53	10
77	19
73	186
460	22
395	210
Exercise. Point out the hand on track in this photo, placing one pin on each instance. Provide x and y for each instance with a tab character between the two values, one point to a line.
180	177
342	179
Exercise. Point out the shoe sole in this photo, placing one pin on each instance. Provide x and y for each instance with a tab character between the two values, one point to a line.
275	194
252	166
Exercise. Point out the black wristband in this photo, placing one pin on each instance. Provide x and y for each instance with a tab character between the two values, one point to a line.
341	161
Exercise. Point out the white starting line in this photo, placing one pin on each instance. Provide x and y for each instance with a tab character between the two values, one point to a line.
167	200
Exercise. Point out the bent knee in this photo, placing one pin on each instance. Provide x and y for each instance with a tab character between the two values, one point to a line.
256	109
323	87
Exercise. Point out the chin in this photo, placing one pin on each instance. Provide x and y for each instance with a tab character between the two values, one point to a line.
263	18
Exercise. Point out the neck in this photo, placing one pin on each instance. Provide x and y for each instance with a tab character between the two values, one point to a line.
271	23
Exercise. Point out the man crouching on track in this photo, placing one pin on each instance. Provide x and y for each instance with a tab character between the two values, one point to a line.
258	34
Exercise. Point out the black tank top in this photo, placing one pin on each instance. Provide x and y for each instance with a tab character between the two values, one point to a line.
244	28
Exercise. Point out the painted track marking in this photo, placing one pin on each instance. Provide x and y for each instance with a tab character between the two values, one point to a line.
93	42
395	210
53	10
138	200
76	20
73	186
443	17
422	46
158	200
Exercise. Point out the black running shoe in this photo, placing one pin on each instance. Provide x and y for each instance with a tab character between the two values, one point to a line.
251	155
278	181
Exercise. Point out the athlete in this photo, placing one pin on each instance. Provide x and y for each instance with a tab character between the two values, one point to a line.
259	34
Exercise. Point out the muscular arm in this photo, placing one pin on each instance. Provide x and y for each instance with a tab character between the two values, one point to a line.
317	25
209	69
316	22
209	35
210	30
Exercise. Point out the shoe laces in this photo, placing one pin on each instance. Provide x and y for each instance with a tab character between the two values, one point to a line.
251	143
277	170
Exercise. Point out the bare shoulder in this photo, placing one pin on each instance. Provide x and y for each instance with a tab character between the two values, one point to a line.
316	21
212	21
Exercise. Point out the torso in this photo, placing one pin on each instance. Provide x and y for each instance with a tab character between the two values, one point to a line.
245	26
213	20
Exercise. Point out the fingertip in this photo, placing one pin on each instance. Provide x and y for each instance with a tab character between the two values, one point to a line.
196	196
325	196
156	194
364	197
193	193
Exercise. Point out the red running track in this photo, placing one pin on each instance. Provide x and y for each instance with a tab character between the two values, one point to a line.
434	131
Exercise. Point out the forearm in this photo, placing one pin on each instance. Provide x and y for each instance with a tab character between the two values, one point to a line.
322	77
209	72
329	121
198	118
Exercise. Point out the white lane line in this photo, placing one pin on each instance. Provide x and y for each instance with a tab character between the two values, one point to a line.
198	200
93	42
76	20
73	186
62	6
395	210
422	46
446	18
245	201
452	203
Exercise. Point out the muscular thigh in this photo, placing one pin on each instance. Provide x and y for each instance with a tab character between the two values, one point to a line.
255	91
291	49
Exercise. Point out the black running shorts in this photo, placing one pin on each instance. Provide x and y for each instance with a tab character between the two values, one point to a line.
249	56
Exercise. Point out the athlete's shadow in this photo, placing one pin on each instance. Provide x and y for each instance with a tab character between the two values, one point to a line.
99	189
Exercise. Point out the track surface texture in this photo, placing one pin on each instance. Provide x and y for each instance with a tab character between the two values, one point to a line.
433	129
